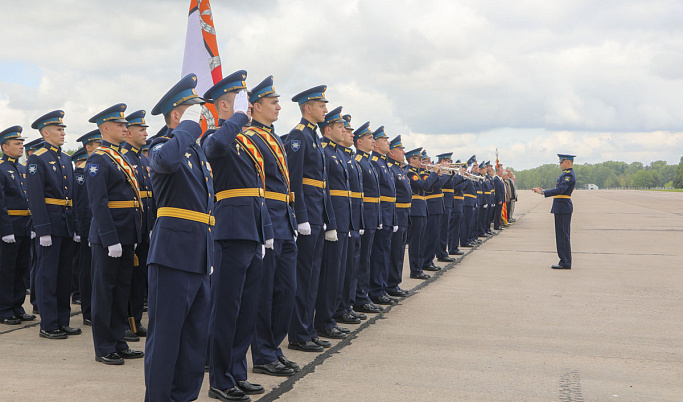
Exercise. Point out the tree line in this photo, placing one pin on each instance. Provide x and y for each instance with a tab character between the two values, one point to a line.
608	174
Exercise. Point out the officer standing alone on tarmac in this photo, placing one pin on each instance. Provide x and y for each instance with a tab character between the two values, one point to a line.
15	229
50	191
562	209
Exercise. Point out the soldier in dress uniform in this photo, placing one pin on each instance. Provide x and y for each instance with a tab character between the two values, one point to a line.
448	190
457	213
484	201
180	256
499	187
435	211
404	197
562	209
333	268
372	215
469	208
50	189
345	312
114	198
15	229
381	246
279	264
314	215
420	181
29	148
136	138
243	231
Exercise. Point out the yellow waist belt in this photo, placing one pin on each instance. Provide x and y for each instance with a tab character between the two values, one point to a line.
271	195
419	197
145	194
187	214
480	192
387	199
470	195
488	192
431	197
448	190
403	205
240	192
356	195
314	183
374	200
562	196
18	212
123	204
458	197
340	193
59	201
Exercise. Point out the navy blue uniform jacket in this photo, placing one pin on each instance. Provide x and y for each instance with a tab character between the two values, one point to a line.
562	193
419	185
82	205
404	193
140	164
338	183
356	187
387	189
13	196
371	212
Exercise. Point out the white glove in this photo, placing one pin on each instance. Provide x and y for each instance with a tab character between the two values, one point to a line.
33	235
395	229
9	239
270	243
361	232
305	229
77	238
135	246
263	250
150	234
486	206
349	234
324	226
115	250
331	235
379	227
241	103
192	113
45	241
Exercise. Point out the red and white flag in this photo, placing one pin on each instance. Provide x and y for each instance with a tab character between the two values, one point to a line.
201	54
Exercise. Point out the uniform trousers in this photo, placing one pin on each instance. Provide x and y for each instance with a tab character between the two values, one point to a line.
138	285
454	229
363	285
331	283
398	253
444	234
347	296
562	229
379	262
473	227
110	294
430	239
467	217
14	263
308	261
33	273
418	224
175	349
278	286
235	291
85	278
53	282
497	216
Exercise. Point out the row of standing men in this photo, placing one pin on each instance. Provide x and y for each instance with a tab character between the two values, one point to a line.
272	236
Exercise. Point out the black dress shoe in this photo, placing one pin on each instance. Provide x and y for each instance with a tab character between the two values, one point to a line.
129	336
398	293
358	315
343	329
383	299
140	331
87	321
289	364
70	330
431	268
249	388
347	318
112	359
231	394
456	252
54	334
421	275
367	308
12	321
392	298
321	342
332	333
275	368
561	267
308	346
446	259
131	354
468	245
26	317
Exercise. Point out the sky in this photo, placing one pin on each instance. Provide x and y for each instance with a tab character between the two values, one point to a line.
599	79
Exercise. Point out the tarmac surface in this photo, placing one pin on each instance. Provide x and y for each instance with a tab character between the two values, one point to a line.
497	324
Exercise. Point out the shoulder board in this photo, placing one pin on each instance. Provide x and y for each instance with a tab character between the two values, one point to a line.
98	152
325	144
374	159
358	158
300	127
124	151
40	151
2	161
390	164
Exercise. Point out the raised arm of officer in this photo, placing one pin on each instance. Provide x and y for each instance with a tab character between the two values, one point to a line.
217	144
166	157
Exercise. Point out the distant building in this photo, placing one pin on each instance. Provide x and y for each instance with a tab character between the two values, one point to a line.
592	187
